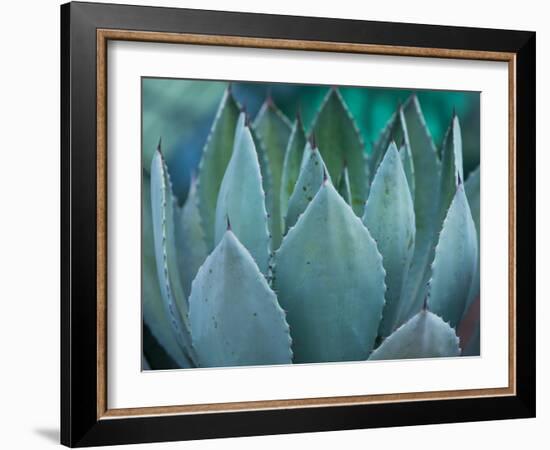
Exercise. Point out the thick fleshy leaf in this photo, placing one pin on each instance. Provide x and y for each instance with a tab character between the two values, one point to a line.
451	166
380	146
215	157
340	144
455	262
154	312
472	188
343	186
235	317
169	275
328	276
191	245
267	178
291	165
310	180
425	335
389	217
392	131
408	167
426	200
274	129
241	199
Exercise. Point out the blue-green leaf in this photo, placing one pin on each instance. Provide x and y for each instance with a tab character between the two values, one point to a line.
389	217
392	131
309	181
408	167
191	245
340	143
426	199
424	336
291	165
273	129
241	199
451	166
215	157
472	188
235	317
343	186
267	178
455	262
169	275
328	276
154	312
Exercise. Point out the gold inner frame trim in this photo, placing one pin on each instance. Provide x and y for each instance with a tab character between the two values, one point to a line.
103	36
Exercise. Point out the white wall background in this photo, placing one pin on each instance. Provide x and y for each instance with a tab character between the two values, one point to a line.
29	224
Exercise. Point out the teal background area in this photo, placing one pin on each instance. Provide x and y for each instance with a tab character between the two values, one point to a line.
181	112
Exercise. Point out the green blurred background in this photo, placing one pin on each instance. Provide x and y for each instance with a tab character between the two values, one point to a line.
182	112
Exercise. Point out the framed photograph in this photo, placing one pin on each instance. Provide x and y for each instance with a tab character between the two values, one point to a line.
277	224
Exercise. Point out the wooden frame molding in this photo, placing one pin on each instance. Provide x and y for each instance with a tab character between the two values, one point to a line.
105	35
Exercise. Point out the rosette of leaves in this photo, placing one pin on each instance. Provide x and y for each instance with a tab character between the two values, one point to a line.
294	246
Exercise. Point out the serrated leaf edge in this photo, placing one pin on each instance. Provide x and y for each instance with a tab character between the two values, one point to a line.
264	281
358	219
227	95
172	303
423	310
433	265
335	91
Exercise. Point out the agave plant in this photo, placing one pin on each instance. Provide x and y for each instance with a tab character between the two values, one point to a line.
298	247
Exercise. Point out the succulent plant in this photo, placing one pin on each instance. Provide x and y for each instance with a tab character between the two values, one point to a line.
297	246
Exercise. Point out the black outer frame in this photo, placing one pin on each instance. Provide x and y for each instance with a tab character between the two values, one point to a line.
79	423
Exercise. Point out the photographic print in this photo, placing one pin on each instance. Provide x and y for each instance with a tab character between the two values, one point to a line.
265	218
289	224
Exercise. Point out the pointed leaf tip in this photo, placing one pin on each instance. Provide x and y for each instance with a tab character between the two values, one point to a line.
153	307
313	142
231	302
248	219
215	157
389	217
310	180
299	114
163	220
294	153
425	335
272	129
334	126
159	145
333	309
455	263
426	170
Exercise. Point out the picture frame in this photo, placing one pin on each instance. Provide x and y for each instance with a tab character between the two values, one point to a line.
86	29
